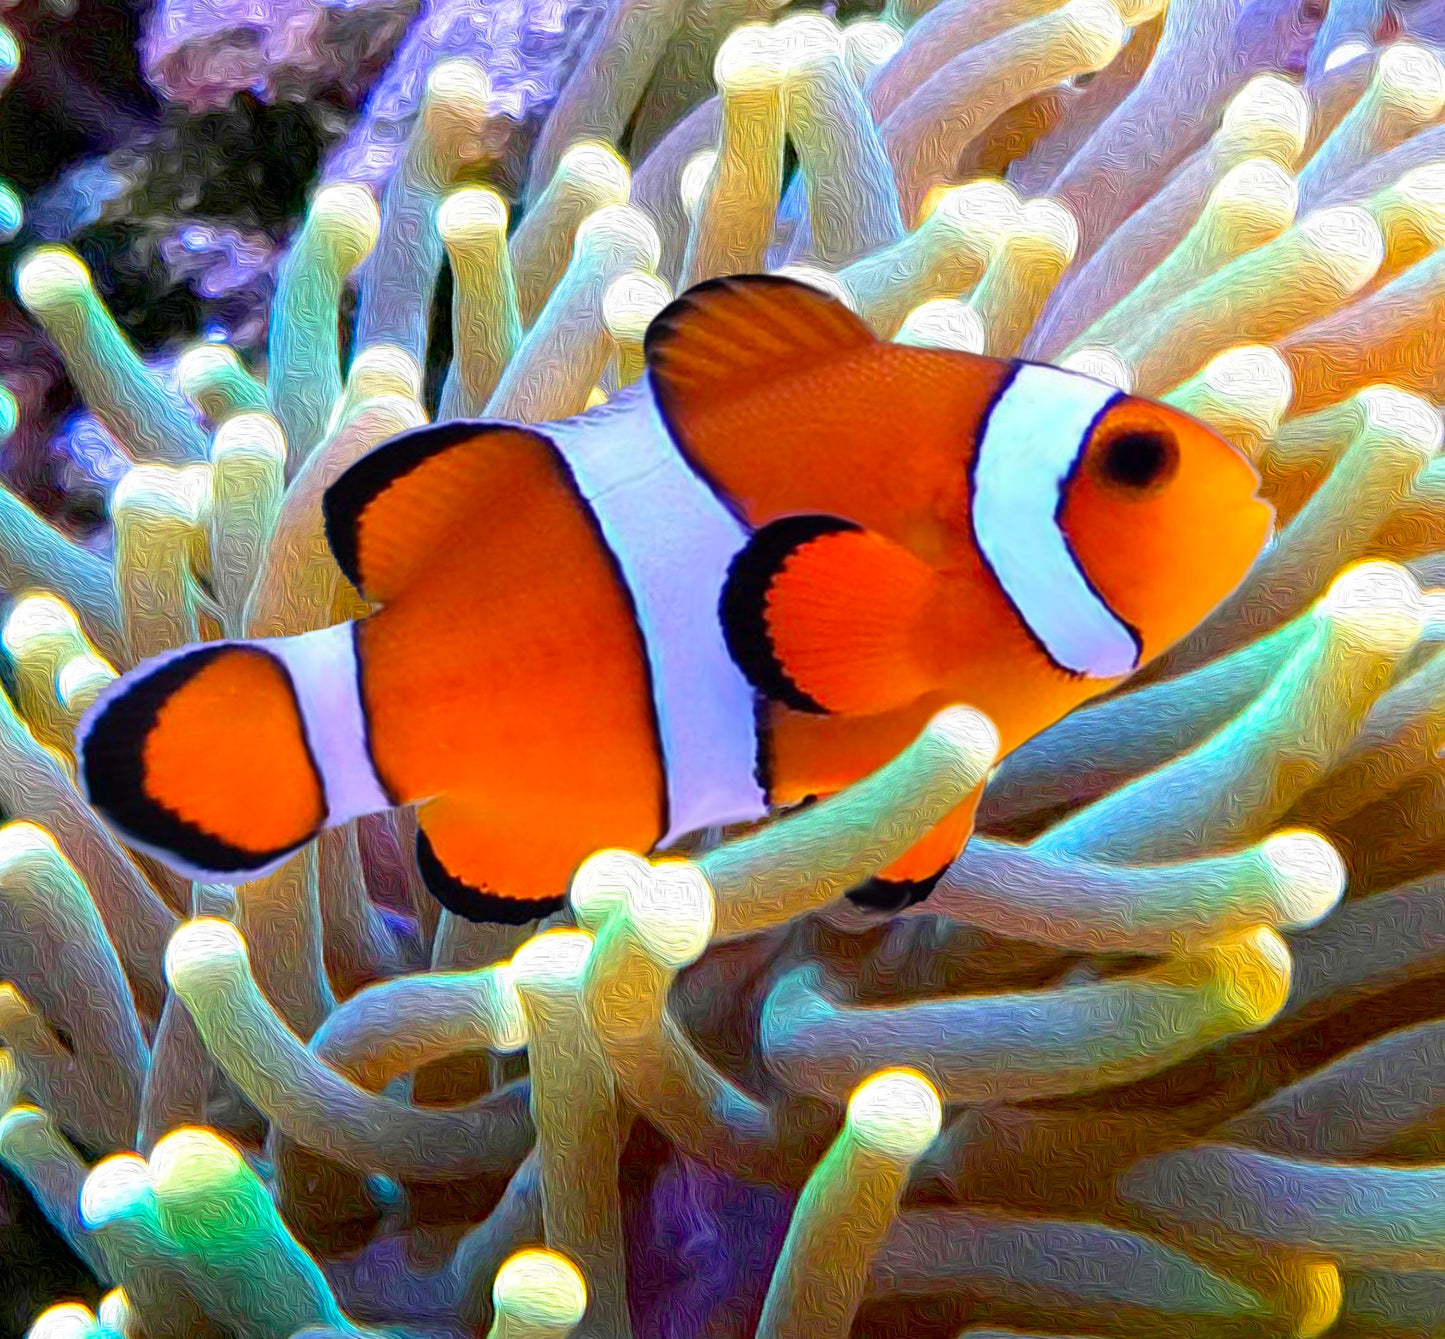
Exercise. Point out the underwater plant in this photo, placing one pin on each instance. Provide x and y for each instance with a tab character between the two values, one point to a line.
1162	1053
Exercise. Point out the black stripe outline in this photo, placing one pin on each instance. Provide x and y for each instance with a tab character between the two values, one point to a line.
479	905
357	660
346	501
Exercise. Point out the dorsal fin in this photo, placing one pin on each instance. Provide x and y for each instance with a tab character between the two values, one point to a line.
736	333
393	509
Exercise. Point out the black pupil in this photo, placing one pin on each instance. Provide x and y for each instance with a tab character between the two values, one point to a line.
1137	459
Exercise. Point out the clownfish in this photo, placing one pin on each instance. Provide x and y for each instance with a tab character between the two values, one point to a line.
748	579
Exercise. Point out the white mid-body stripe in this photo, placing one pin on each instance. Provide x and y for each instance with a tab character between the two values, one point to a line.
1034	436
323	672
674	541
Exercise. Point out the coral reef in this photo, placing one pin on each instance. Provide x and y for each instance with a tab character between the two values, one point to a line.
1161	1054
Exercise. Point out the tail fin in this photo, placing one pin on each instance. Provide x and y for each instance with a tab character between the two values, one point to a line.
222	760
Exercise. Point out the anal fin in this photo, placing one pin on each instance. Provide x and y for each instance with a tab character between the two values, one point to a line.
915	874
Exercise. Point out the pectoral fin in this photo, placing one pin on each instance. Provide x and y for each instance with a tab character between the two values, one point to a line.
822	616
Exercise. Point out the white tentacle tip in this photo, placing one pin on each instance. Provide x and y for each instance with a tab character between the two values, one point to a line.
471	212
201	362
384	369
897	1112
1348	241
673	912
943	323
752	53
201	944
346	213
623	226
38	617
509	1017
1309	873
249	435
868	44
630	303
1255	382
540	1288
1257	185
1404	416
68	1320
969	732
116	1315
20	841
693	180
1135	12
1101	363
808	39
987	206
81	679
192	1160
1379	601
1049	223
553	960
113	1187
459	81
603	883
825	281
1346	53
597	165
1413	75
51	276
1269	104
167	490
1100	27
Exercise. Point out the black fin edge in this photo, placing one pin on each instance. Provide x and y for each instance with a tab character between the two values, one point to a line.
477	904
891	896
682	305
661	328
743	606
363	482
114	780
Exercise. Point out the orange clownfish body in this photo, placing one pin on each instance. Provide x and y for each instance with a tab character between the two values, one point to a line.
750	578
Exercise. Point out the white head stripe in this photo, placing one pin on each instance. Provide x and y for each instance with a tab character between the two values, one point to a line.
674	542
322	666
1035	434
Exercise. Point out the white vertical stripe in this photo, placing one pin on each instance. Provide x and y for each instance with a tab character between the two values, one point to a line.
1035	434
673	540
323	672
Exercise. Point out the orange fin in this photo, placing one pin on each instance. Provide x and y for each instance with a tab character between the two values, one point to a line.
735	334
821	615
915	874
201	759
412	497
469	870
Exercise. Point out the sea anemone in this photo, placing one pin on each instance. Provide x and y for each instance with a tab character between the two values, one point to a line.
1163	1052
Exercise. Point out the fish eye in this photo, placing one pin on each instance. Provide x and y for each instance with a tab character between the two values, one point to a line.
1140	459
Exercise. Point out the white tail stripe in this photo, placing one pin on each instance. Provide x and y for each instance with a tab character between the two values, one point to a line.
324	674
